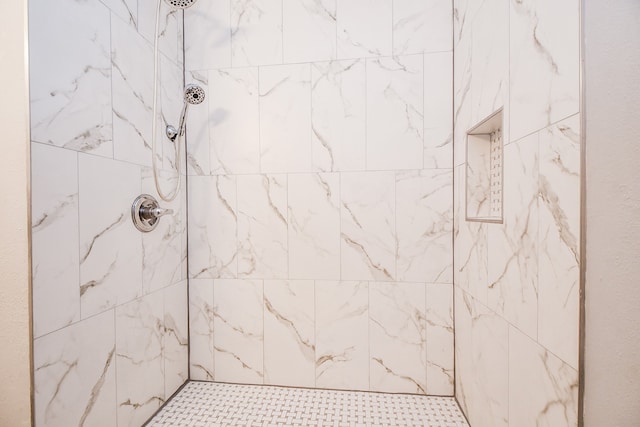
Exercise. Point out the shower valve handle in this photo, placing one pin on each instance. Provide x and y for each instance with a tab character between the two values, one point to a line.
146	213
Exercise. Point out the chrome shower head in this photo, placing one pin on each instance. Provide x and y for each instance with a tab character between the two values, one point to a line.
193	94
180	4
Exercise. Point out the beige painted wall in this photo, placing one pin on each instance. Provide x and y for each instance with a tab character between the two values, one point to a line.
15	366
612	342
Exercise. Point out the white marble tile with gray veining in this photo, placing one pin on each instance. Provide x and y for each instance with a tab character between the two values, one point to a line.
171	100
314	226
342	338
234	121
424	223
110	246
256	32
559	240
197	132
398	347
54	238
170	31
438	110
126	10
239	328
368	215
421	26
543	390
338	115
544	63
71	99
395	121
75	374
289	333
213	225
362	35
440	339
201	333
513	258
132	70
262	226
175	329
285	118
309	30
207	28
139	359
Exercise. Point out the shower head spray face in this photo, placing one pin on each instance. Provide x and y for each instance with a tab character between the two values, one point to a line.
180	4
193	94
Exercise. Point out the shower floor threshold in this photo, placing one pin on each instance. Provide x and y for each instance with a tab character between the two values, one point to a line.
208	404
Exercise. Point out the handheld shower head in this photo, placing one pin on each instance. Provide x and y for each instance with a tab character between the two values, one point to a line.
194	95
180	4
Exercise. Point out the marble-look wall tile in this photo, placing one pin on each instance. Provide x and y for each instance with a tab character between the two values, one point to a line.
438	110
171	101
368	215
170	31
197	133
543	390
132	85
513	258
559	244
175	337
424	222
481	360
239	327
398	347
262	226
213	225
139	359
234	121
285	118
71	99
421	26
395	105
54	238
314	226
289	335
361	34
338	111
110	246
162	248
471	254
463	18
256	32
440	339
207	32
342	337
309	30
75	375
544	63
201	332
126	10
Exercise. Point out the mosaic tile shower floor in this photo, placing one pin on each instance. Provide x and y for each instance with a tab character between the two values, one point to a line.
204	404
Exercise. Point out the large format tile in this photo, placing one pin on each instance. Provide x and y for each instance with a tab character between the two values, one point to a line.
342	338
314	226
75	375
368	247
207	35
398	347
424	221
338	115
234	121
364	28
175	339
421	26
438	110
289	335
309	30
54	238
201	333
110	245
197	133
256	32
440	339
239	327
285	118
71	98
395	122
559	241
262	226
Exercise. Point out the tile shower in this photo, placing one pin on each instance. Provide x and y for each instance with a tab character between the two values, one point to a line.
324	207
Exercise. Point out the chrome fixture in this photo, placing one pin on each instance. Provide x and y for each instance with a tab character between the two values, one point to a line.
194	95
146	213
180	4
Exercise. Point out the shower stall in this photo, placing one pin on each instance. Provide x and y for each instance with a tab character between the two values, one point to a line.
319	232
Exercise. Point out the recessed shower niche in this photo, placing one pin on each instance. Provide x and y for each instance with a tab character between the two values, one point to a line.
484	180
